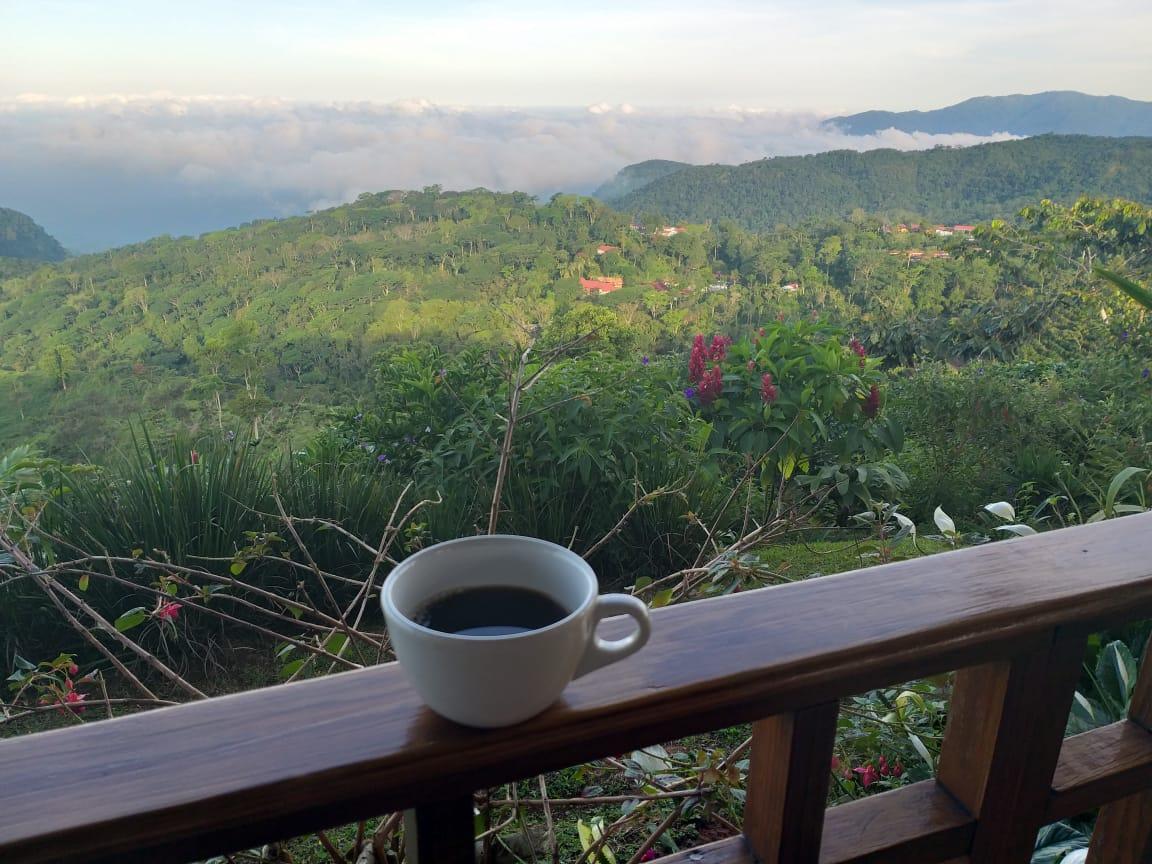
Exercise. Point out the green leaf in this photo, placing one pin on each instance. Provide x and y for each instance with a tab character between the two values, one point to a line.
1134	290
1117	483
83	583
237	567
1116	674
131	618
290	669
335	643
642	582
652	760
662	598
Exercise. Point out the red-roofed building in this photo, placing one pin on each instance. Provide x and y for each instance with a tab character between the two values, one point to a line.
963	229
606	285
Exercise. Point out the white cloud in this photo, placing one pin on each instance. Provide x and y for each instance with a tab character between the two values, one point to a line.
279	156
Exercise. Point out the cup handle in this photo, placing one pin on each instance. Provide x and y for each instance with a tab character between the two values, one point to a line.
601	652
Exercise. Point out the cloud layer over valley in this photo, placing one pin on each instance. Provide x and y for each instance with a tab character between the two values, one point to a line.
113	170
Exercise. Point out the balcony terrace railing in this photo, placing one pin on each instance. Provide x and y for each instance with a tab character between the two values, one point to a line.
200	779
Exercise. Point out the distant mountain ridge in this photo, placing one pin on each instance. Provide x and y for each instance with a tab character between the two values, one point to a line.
1064	112
960	184
632	177
21	237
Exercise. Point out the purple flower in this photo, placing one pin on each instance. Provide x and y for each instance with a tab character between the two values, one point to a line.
383	459
689	392
644	360
1145	373
1124	336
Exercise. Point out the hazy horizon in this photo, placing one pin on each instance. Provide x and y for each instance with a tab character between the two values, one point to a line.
123	120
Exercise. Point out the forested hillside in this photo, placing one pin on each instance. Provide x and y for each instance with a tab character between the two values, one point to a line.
21	237
1063	112
945	184
633	177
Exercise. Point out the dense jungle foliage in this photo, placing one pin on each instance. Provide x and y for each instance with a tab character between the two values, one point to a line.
959	184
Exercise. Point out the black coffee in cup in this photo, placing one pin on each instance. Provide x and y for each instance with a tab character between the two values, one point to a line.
490	611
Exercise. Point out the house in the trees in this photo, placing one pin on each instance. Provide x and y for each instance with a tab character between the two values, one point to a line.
670	231
790	287
603	285
963	229
605	248
943	231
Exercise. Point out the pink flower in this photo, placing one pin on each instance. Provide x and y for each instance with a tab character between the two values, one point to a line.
711	386
860	351
168	611
751	365
768	391
194	457
696	359
649	855
73	668
835	764
884	770
71	702
871	404
867	774
897	770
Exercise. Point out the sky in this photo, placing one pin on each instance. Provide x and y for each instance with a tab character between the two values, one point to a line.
120	120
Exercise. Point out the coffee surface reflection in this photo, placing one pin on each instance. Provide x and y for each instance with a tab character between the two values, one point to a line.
490	611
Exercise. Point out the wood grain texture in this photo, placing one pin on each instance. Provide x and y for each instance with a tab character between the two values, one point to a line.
788	784
440	832
1123	832
1098	767
916	824
1141	709
1005	728
203	778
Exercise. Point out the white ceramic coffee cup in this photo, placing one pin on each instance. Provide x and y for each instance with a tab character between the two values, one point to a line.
499	680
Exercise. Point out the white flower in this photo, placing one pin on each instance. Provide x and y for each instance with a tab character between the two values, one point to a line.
944	522
1018	530
905	523
1002	509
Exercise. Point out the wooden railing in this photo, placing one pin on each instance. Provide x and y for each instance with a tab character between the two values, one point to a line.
199	779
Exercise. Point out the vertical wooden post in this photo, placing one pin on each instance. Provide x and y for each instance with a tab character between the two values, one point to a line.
1005	726
1123	833
441	833
788	784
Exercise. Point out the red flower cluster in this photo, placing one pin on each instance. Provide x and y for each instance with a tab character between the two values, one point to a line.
72	700
859	350
768	391
869	773
697	359
711	386
871	403
168	611
719	348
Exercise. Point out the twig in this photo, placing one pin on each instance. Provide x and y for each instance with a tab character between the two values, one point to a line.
553	844
332	851
676	813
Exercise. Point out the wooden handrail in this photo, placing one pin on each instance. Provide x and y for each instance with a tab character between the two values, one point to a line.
226	773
